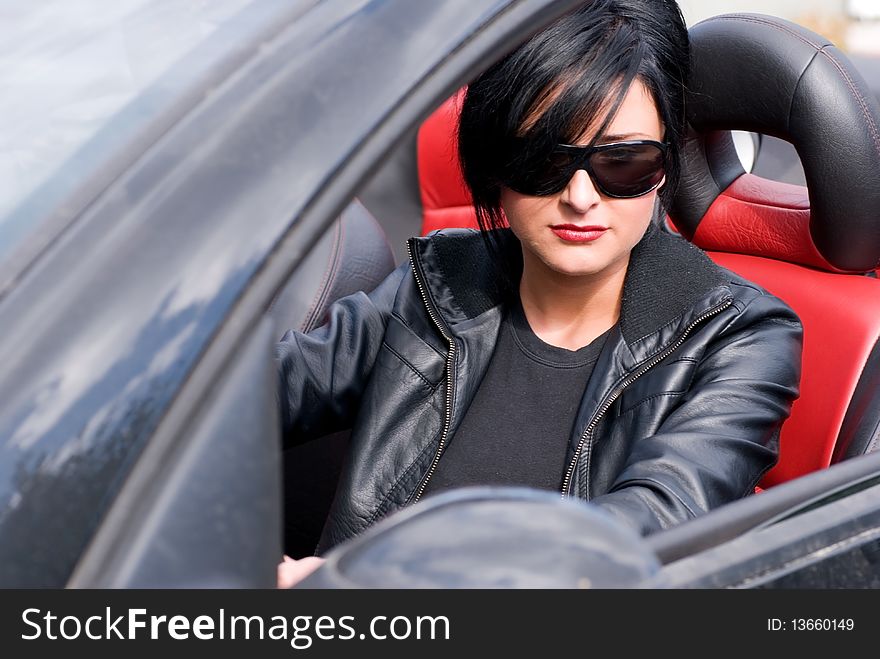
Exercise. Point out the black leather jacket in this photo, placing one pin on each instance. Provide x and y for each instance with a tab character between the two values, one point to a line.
682	412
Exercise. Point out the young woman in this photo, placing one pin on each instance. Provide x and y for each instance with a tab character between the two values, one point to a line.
583	349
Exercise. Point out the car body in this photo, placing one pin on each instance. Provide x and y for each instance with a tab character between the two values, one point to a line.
139	442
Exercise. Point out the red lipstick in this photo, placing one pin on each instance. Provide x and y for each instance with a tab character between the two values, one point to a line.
572	233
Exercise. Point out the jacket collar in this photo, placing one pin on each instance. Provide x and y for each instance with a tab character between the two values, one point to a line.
668	278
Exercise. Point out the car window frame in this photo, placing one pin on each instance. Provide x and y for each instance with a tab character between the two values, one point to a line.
511	24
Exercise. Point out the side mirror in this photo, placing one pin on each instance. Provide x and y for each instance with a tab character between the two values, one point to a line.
492	538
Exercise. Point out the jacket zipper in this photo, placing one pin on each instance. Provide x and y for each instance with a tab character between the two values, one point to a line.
450	360
566	484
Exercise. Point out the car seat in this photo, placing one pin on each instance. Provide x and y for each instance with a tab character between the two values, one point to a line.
353	255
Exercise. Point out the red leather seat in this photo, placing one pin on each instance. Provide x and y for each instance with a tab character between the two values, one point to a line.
840	312
446	201
812	249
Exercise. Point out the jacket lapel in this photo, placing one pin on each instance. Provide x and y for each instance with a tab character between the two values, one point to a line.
669	283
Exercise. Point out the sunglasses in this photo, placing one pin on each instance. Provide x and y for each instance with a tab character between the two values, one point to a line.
621	170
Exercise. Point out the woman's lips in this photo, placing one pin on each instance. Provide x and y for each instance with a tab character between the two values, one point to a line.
571	233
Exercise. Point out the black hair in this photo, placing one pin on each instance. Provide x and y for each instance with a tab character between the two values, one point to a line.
560	81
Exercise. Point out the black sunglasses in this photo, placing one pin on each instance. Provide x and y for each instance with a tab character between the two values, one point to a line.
622	170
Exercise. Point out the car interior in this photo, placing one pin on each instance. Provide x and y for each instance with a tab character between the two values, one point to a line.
816	247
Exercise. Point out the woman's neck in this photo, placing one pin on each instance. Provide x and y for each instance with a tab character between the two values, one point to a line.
566	311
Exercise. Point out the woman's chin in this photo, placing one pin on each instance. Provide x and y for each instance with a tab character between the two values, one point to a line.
577	269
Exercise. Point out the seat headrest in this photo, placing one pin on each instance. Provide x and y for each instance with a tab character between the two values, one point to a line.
767	75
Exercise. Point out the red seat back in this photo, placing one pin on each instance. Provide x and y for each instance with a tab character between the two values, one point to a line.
446	201
840	316
768	224
811	247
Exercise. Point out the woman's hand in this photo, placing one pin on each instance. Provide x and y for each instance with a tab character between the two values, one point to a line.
291	572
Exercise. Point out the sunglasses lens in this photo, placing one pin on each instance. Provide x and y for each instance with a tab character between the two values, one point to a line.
628	170
622	170
556	172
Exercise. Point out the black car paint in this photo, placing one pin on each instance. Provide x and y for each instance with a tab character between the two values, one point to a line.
103	330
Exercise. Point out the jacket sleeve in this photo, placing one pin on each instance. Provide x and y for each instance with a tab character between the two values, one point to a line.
718	443
322	374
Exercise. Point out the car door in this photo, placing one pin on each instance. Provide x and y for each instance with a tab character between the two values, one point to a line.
134	439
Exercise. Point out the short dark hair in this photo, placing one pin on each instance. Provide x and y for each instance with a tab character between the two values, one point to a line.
549	89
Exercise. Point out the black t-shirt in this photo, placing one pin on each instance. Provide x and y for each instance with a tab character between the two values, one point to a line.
517	428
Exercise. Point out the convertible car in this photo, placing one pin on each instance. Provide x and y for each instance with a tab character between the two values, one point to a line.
277	164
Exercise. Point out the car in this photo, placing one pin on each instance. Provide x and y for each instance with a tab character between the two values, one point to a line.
151	262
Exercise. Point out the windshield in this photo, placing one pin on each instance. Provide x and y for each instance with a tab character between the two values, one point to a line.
70	71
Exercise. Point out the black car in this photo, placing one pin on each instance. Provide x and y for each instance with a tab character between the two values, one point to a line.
147	273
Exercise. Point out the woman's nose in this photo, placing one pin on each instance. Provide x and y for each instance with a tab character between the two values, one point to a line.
581	193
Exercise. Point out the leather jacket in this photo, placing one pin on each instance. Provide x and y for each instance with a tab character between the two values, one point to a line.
682	412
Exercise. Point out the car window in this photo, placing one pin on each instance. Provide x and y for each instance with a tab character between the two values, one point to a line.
70	70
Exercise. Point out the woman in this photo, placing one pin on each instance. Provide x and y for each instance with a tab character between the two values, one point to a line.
582	349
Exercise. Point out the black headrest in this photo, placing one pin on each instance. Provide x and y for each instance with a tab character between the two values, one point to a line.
767	75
